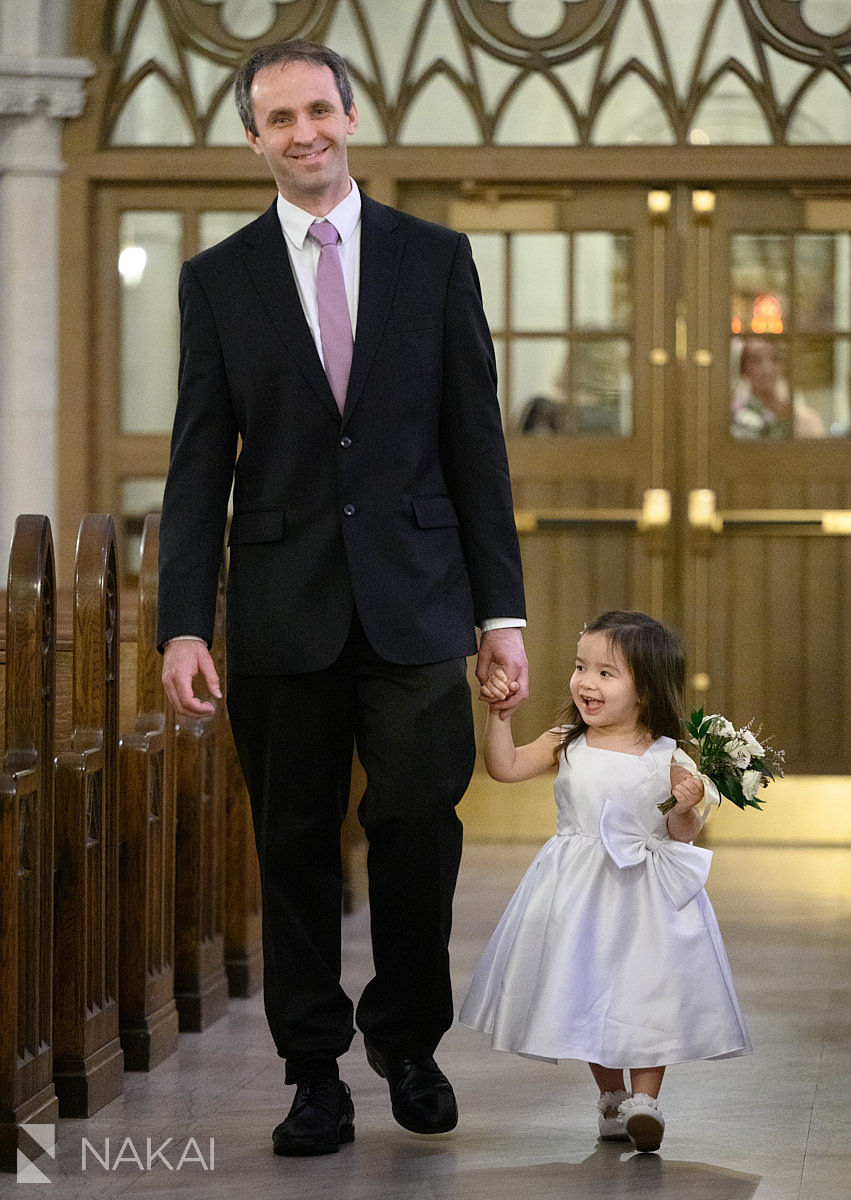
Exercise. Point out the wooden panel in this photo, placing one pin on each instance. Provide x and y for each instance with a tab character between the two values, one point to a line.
27	1092
88	1064
148	1016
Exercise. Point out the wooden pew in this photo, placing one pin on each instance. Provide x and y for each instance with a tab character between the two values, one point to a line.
243	915
148	1019
27	684
200	980
88	1059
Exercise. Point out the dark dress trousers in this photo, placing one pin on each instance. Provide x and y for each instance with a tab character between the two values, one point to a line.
363	551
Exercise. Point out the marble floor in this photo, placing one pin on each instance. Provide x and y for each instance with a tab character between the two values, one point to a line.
773	1125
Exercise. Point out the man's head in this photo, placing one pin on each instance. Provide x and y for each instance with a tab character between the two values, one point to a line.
282	53
298	99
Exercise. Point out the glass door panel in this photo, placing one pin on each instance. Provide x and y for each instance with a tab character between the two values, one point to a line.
148	264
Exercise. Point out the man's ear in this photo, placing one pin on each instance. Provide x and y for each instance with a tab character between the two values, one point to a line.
254	142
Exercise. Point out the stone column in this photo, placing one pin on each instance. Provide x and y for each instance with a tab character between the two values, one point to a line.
36	95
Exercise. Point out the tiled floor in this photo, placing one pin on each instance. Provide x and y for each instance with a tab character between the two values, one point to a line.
773	1125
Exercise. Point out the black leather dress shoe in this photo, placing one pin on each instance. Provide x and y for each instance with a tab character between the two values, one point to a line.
420	1094
320	1121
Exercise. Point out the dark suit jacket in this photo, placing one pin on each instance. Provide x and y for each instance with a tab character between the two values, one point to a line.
403	508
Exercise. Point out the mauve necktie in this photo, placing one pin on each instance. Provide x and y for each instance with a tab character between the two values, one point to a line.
335	323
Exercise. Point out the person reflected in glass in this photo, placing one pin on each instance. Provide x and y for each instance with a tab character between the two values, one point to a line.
543	416
763	406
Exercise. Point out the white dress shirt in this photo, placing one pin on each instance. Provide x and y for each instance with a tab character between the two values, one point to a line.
304	254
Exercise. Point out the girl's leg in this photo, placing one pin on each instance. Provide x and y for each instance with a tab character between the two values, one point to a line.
646	1079
608	1079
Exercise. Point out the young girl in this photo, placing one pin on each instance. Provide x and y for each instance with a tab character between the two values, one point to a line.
609	951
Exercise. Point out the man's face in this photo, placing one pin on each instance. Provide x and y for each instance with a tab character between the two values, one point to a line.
302	133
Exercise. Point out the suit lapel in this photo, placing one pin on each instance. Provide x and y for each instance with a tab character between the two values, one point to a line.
380	257
268	264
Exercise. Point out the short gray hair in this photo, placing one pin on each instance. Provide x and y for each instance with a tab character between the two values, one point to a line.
287	52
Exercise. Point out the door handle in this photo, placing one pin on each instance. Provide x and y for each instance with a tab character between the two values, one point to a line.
654	514
705	517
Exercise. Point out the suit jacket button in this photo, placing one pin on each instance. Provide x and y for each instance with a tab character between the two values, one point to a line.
349	510
345	442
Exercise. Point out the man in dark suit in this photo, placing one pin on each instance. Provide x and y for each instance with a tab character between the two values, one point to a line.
371	533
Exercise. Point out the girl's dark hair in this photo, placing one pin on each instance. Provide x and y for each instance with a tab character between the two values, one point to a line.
657	663
287	52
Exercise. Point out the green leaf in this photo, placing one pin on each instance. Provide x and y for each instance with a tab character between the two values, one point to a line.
731	787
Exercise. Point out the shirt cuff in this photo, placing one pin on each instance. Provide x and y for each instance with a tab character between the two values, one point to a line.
502	623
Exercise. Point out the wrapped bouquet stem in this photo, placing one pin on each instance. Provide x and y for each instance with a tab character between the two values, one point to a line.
736	762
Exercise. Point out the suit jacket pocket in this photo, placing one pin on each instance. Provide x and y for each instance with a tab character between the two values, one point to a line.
434	512
266	525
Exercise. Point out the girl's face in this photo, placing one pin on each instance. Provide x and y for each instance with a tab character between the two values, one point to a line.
602	687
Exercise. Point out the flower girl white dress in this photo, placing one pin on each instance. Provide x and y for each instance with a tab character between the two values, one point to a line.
609	951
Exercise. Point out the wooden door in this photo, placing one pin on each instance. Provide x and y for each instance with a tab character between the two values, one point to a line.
644	475
767	563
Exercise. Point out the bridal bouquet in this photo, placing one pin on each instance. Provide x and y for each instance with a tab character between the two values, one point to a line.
733	759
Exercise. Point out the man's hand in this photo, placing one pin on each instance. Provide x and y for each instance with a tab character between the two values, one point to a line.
502	649
182	661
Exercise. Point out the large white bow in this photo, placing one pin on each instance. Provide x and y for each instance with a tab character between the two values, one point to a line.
681	868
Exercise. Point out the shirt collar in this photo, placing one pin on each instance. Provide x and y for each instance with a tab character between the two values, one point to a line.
295	222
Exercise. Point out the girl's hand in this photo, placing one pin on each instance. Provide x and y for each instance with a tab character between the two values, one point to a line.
684	821
687	789
495	688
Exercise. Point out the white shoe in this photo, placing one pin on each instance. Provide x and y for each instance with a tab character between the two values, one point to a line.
644	1122
612	1129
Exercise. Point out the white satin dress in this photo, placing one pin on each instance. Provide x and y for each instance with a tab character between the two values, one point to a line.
609	951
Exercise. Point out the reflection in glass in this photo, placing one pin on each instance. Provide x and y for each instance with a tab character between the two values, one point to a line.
823	281
583	387
764	405
790	321
602	281
601	387
539	383
822	380
760	283
149	263
560	310
539	275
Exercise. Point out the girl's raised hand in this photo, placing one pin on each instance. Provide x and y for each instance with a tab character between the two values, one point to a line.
687	789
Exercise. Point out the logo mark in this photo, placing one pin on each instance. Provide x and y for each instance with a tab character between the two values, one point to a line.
45	1137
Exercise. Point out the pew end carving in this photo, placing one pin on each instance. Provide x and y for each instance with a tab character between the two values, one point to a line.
88	1059
148	1018
27	684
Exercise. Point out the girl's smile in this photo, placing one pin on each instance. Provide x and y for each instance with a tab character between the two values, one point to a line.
603	690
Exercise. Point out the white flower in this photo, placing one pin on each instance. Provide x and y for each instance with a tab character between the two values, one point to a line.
752	744
721	726
737	751
748	419
751	781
